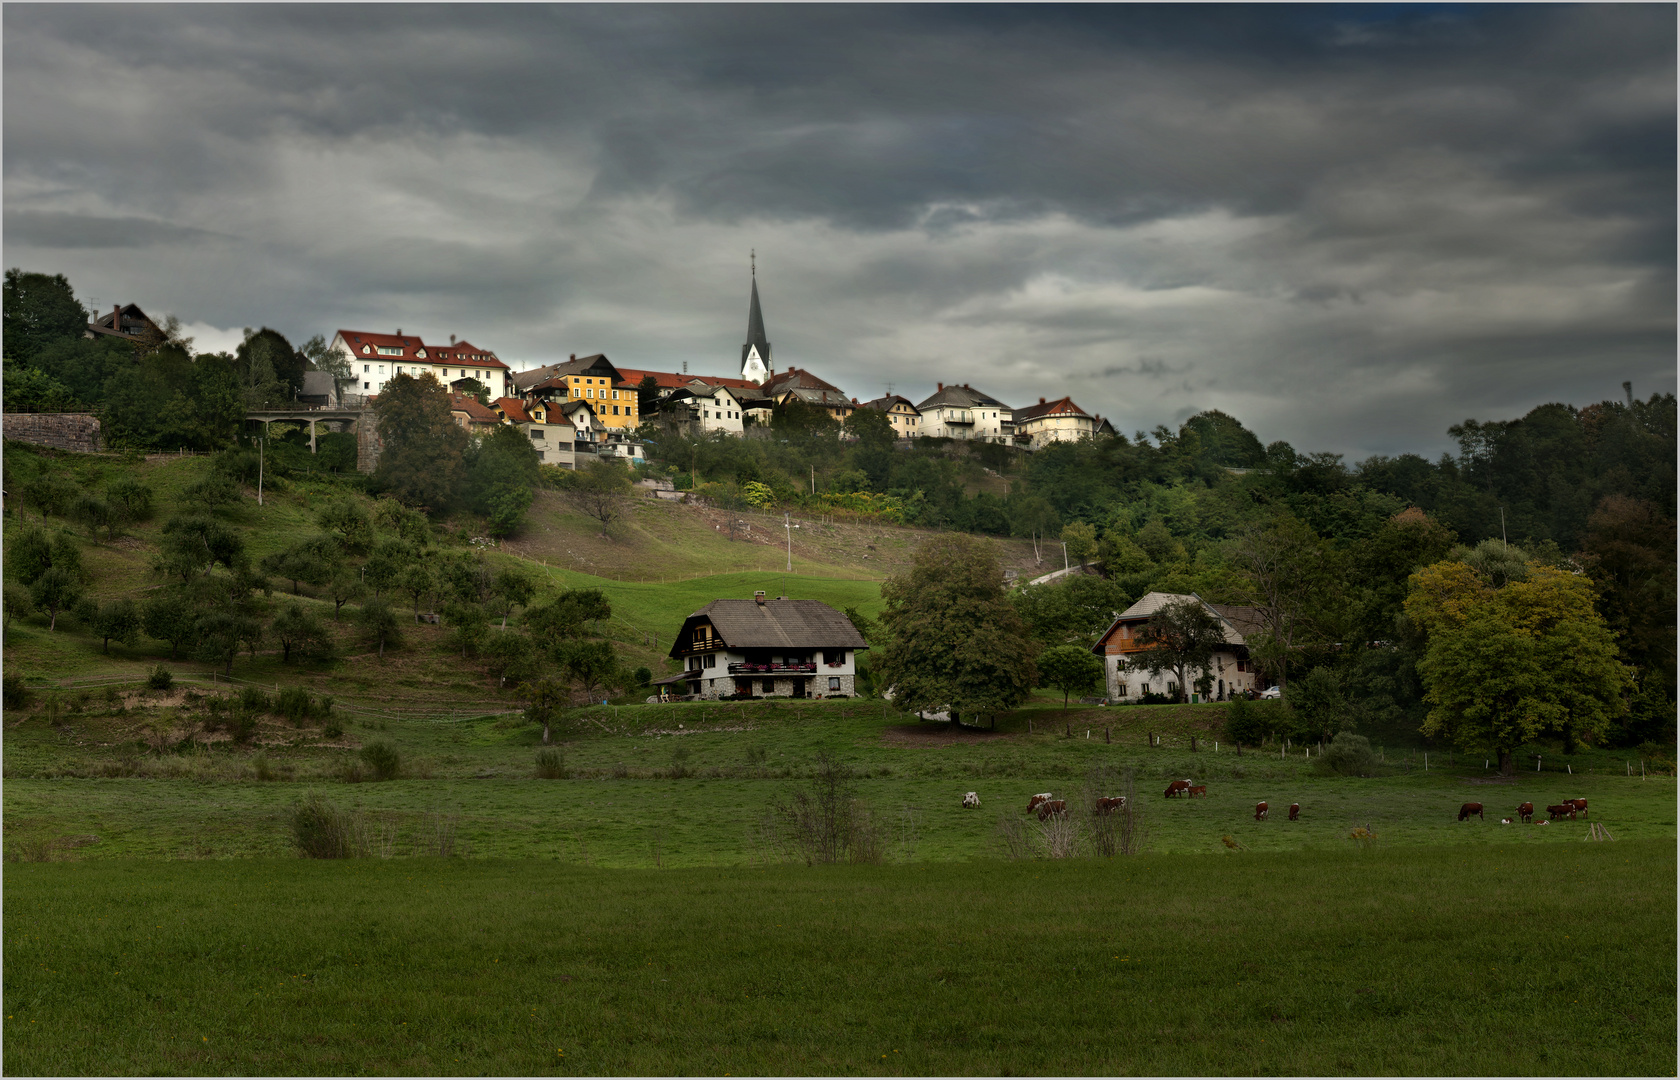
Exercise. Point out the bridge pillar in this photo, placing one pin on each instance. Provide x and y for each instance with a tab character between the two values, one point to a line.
367	441
311	434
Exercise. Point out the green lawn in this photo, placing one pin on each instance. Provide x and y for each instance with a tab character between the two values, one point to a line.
1552	959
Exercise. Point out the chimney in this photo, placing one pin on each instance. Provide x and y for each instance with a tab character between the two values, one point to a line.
451	339
116	317
940	385
759	597
399	331
574	356
1041	401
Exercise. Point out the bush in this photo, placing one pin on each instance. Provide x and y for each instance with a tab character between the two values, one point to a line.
382	759
160	678
324	831
643	676
332	730
1248	723
293	703
551	763
1349	755
253	700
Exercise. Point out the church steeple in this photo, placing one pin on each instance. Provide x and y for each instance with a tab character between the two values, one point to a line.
756	364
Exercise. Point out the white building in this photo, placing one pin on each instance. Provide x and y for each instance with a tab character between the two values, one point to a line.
376	358
962	412
1230	672
767	648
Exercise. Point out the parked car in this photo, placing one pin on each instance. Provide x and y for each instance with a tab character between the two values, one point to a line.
1271	693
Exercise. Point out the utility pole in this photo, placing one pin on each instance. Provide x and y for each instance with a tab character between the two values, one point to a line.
1064	557
259	470
787	524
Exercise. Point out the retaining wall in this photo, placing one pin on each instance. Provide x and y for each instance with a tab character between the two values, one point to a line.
63	431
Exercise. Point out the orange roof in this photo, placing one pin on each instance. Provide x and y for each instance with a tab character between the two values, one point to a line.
476	413
1059	407
514	410
365	343
670	380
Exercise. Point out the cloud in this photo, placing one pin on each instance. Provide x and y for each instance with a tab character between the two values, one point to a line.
1348	227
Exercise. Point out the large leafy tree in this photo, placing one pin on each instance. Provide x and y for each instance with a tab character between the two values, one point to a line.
954	639
1287	576
40	309
422	460
270	370
601	489
1181	637
1506	664
1070	669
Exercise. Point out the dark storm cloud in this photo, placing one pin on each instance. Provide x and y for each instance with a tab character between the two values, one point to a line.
1346	225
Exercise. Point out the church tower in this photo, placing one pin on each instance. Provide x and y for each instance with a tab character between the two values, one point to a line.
756	364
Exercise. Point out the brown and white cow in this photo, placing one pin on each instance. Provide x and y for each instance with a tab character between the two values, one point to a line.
1469	809
1542	822
1260	811
1566	809
1053	808
1198	790
1294	811
1177	787
1504	821
1580	806
1108	806
1525	812
1037	800
971	799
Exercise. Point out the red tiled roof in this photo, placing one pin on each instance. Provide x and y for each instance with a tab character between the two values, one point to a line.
463	353
514	410
474	411
670	380
1059	407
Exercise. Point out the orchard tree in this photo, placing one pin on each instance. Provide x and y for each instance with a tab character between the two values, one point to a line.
422	462
1287	573
1505	664
954	640
1181	636
379	623
601	489
1070	669
118	621
54	591
544	699
1080	541
170	616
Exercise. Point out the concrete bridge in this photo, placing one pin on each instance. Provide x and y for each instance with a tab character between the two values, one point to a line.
357	419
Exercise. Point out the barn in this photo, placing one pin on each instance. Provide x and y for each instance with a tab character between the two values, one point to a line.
768	647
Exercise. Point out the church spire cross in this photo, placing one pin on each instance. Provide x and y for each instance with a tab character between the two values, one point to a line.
756	364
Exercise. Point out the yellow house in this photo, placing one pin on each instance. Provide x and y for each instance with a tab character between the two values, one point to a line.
590	378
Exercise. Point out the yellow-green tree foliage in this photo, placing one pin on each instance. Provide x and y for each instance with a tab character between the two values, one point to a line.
1505	665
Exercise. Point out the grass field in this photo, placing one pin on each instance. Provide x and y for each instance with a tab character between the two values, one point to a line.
1423	961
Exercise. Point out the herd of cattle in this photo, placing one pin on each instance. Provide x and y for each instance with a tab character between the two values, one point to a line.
1047	806
1568	808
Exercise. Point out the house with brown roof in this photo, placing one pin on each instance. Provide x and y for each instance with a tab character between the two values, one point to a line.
767	647
552	435
593	379
958	411
124	321
1230	672
376	358
1057	421
905	418
472	415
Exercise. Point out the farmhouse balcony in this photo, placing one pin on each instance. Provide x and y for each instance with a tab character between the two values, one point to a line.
773	669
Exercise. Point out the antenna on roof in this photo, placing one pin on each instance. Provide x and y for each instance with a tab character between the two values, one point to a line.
754	258
889	389
685	367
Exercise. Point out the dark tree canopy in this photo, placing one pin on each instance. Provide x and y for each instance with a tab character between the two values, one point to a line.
422	461
40	309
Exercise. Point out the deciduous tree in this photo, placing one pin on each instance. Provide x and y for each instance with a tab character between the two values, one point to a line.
1070	669
423	459
1181	636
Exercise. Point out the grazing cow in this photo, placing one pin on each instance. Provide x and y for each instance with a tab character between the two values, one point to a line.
1294	811
1260	811
1177	787
1198	789
1525	812
1470	808
1504	821
971	799
1580	806
1036	800
1561	810
1053	808
1108	806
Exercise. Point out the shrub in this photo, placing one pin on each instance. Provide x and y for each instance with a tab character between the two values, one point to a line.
253	700
17	602
756	755
259	766
382	759
1248	723
643	676
1349	755
324	831
551	763
332	730
16	693
293	703
828	824
160	678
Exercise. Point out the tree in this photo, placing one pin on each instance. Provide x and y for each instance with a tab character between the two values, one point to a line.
1158	543
512	658
33	553
193	543
1505	664
17	602
220	635
1286	571
132	498
271	371
31	390
308	560
170	616
1074	611
1629	552
54	591
1181	636
1080	540
1034	517
1070	669
118	621
590	665
343	586
1119	555
416	580
647	397
211	492
544	699
422	462
871	428
505	506
512	587
295	628
566	616
347	521
386	563
954	639
469	624
379	623
601	490
48	495
40	309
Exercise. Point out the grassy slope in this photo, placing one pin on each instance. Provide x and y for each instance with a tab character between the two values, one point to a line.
1548	960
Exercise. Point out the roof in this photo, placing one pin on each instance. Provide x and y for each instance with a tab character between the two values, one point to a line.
671	380
367	343
885	404
514	409
1060	407
595	364
812	396
797	377
755	327
776	624
962	396
108	322
476	413
1238	622
318	384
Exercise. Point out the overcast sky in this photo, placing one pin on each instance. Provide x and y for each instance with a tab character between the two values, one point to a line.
1349	227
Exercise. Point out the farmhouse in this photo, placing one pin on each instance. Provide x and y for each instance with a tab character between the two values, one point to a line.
768	648
1230	672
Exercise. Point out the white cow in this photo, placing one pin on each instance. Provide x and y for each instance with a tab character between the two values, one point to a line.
971	800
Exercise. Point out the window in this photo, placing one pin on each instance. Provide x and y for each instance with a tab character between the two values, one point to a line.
381	369
1122	689
615	395
834	682
615	410
537	433
389	350
367	386
769	686
711	659
364	369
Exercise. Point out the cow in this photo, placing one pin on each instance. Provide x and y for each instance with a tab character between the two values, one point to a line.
1525	812
1504	821
1177	787
1036	800
1469	808
1260	811
971	799
1561	810
1580	806
1294	811
1198	790
1108	806
1053	808
1542	822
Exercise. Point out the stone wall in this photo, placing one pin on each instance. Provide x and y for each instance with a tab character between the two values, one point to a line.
63	431
367	441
